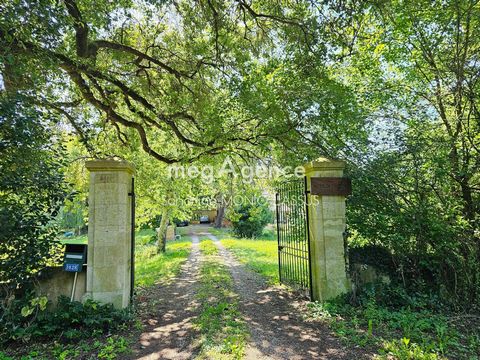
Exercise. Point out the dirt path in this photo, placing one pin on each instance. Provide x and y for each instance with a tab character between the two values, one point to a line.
169	332
276	327
272	315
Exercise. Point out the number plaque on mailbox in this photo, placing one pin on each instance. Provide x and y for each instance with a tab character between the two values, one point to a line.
75	257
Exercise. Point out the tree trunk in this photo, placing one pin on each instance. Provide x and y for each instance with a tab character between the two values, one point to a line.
220	216
162	231
469	210
220	211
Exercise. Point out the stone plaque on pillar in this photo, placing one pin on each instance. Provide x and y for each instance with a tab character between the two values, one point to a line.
326	214
109	231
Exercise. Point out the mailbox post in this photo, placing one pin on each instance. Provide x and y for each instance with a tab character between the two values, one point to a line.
73	261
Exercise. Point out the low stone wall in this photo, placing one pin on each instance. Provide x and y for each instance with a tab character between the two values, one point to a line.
55	281
366	274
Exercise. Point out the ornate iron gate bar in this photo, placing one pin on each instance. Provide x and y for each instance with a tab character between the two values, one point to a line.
294	265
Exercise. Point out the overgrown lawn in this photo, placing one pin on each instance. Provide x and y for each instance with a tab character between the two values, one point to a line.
259	255
224	332
152	267
207	247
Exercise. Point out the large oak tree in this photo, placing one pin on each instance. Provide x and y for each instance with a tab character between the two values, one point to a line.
167	73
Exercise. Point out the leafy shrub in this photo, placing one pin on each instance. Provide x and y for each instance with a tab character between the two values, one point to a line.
395	296
424	334
5	357
424	227
27	318
115	345
74	214
412	281
404	350
249	219
32	191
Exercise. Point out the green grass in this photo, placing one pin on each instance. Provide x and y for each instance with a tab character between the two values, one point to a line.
152	268
223	332
142	237
96	347
221	233
268	234
227	233
77	240
183	230
207	247
259	255
99	347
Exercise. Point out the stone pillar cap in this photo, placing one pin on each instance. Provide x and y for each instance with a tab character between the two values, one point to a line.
323	163
113	164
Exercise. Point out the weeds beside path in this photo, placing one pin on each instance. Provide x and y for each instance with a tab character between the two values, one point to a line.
223	330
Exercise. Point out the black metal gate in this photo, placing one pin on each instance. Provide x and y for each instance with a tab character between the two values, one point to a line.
132	240
294	263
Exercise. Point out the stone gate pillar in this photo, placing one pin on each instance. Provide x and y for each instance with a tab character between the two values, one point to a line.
109	231
326	217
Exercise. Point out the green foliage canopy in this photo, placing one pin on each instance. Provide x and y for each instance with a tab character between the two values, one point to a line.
167	74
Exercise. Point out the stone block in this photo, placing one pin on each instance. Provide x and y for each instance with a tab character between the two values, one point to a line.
100	214
106	279
333	208
116	298
113	255
170	235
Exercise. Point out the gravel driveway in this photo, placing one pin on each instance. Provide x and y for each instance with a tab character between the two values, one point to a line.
273	316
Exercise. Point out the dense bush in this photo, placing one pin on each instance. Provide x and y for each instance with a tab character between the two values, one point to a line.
27	318
372	255
401	325
249	218
31	192
406	207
